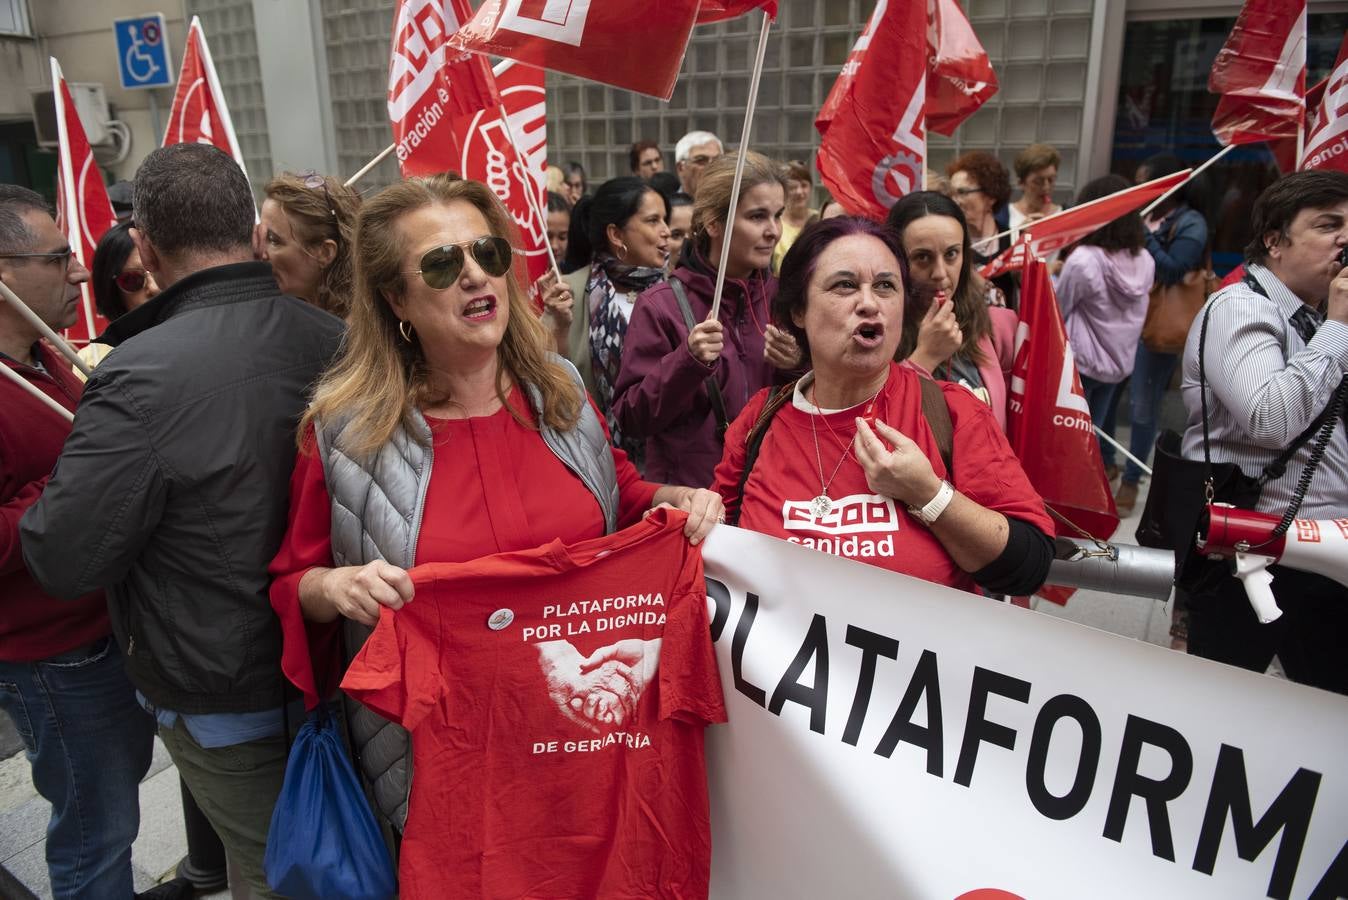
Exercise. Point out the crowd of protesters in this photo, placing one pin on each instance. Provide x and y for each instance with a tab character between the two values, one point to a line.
300	407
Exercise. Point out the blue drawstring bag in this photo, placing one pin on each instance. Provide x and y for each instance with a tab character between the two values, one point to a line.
324	842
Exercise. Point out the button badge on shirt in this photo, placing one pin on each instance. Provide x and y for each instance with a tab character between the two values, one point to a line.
500	619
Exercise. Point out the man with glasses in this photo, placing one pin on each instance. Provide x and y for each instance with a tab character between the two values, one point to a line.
691	155
172	489
61	676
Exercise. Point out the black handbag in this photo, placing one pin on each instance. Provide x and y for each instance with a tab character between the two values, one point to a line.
1181	489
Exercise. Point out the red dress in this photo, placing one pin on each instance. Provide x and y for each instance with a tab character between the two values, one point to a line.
495	487
861	524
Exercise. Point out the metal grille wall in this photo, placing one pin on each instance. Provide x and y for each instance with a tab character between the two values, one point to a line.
356	36
1038	48
233	41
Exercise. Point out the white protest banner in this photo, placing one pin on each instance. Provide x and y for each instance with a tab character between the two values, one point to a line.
894	738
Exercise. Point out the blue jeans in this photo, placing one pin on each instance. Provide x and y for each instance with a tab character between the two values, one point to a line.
1151	377
89	744
1100	397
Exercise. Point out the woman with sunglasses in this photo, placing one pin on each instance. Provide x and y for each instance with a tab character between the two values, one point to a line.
621	237
446	431
681	385
120	284
305	233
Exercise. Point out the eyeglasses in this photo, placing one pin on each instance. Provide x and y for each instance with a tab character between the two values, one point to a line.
62	255
964	192
132	280
440	266
700	160
313	181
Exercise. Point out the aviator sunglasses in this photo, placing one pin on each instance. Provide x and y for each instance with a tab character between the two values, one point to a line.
440	266
131	281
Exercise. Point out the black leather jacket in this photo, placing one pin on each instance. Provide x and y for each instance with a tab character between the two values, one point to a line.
173	486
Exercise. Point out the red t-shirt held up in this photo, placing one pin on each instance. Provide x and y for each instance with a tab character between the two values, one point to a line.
556	699
861	524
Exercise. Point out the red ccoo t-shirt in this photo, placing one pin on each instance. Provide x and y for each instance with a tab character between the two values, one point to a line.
556	699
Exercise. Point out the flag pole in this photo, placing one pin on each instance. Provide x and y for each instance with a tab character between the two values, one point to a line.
1122	449
365	169
528	182
33	389
739	166
1161	199
44	329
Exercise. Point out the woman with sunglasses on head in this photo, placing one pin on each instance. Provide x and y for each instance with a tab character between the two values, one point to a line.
445	432
681	385
120	284
620	237
305	233
949	331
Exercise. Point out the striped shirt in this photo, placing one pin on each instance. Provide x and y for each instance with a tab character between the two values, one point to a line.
1265	386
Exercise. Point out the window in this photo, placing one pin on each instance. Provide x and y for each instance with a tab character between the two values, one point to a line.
14	18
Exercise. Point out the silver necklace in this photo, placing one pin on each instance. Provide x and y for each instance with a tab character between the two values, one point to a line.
821	505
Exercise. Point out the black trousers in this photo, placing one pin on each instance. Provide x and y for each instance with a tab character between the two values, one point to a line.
1310	639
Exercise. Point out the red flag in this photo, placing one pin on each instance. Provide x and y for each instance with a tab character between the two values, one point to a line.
874	142
1060	229
427	85
83	210
638	46
487	154
1327	127
1260	73
717	10
960	77
199	113
1048	423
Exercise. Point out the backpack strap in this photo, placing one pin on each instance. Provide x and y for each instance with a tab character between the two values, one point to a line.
754	440
713	389
937	414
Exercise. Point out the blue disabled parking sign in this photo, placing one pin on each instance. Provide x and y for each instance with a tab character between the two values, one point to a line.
142	52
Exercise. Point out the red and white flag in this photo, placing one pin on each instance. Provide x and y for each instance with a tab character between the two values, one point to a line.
83	210
873	124
1060	229
1260	73
638	46
1048	423
719	10
487	145
199	113
430	87
1327	124
959	77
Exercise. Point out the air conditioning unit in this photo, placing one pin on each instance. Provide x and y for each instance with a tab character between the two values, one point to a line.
91	102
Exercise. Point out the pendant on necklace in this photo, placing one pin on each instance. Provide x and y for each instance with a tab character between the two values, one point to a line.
820	506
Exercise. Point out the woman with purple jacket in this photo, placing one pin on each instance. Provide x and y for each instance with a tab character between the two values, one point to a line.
684	378
1102	293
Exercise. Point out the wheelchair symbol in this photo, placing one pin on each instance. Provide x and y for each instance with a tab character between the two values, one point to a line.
141	66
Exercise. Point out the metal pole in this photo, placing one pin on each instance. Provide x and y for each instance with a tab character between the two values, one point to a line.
36	392
1192	175
739	167
364	170
1122	449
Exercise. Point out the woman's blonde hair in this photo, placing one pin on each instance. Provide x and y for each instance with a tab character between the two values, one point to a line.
712	202
316	216
379	378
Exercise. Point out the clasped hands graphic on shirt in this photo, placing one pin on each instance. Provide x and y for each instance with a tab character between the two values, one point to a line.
603	688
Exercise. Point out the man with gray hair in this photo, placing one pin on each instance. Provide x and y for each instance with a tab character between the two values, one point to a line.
61	676
173	487
692	154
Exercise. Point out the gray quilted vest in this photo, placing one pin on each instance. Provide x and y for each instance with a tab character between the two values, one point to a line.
376	514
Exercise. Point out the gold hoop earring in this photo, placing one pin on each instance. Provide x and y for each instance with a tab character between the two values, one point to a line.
405	329
622	251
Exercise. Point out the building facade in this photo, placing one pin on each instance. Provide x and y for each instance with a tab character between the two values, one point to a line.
1107	82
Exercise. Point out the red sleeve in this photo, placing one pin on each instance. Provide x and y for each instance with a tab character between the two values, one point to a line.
311	652
635	496
986	469
397	671
726	478
24	496
690	683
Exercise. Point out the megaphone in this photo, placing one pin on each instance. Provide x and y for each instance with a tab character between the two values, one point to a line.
1311	545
